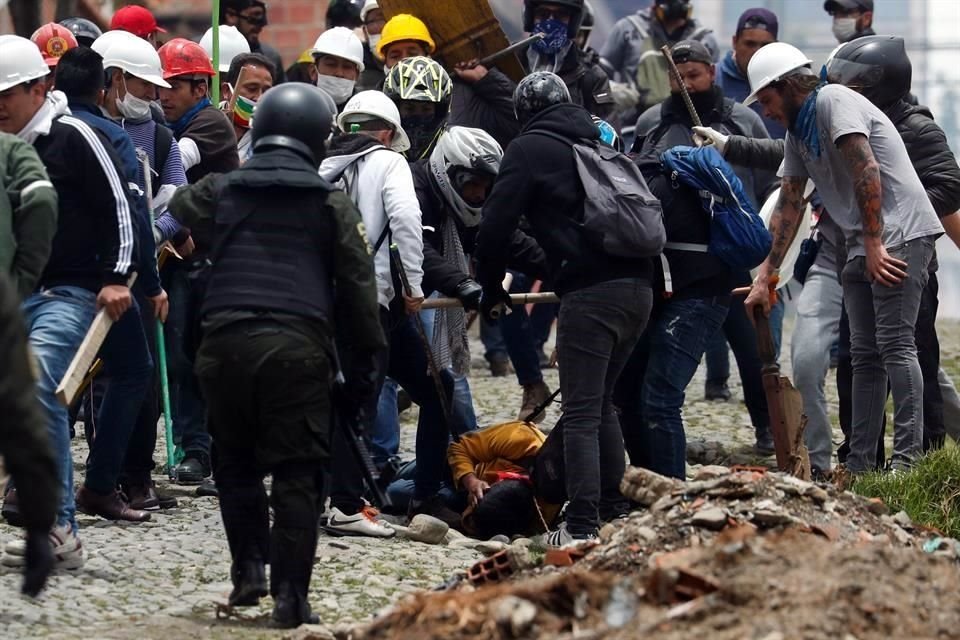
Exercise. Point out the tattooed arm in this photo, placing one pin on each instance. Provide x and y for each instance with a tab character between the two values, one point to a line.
783	227
863	166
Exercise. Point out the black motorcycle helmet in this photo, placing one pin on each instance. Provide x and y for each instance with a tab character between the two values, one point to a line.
83	30
575	7
876	66
344	13
294	116
536	92
666	10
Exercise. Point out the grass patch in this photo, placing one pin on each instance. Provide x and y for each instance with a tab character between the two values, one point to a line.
929	493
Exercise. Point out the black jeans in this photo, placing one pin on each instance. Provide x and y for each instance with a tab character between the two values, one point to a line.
267	390
597	330
406	362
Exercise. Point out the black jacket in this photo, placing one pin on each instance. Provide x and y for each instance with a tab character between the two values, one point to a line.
588	83
930	154
439	274
539	180
95	242
486	104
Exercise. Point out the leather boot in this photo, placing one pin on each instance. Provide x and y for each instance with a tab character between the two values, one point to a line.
290	608
111	506
249	583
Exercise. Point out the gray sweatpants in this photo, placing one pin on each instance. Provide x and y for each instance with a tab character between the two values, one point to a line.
818	322
882	326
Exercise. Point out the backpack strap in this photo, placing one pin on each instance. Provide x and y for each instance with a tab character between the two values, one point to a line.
162	141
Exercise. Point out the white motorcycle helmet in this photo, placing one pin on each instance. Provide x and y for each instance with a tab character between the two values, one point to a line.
460	152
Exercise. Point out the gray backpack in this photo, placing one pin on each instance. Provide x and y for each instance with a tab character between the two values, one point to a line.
621	217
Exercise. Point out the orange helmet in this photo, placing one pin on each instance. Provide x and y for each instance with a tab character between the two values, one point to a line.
53	40
181	57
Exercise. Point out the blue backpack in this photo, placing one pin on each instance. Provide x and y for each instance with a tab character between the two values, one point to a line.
737	233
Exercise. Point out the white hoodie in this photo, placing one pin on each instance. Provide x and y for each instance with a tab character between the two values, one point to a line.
387	193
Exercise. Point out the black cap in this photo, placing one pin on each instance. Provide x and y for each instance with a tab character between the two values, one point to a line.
832	5
691	51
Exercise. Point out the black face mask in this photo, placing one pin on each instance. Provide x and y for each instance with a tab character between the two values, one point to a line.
674	10
422	131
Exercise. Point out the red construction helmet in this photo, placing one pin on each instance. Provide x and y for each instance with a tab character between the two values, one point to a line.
53	40
181	57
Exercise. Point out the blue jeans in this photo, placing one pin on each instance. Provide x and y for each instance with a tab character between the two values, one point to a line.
653	385
519	338
57	320
718	354
189	428
129	368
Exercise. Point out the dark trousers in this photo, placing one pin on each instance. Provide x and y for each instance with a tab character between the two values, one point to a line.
267	390
597	330
406	362
519	336
653	385
138	461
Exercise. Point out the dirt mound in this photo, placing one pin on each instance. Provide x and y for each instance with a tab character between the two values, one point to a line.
730	555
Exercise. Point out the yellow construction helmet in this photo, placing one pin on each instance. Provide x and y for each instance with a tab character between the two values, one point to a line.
405	27
306	56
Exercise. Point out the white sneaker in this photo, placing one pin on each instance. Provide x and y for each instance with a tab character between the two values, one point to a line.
362	523
563	539
67	550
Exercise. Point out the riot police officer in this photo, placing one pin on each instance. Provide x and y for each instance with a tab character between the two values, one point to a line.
289	259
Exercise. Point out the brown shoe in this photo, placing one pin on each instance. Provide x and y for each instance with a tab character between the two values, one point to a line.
534	395
500	366
110	507
141	497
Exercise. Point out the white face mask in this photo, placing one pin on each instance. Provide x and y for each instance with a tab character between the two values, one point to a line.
372	41
844	28
131	107
340	89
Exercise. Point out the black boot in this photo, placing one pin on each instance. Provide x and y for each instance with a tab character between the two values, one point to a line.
290	608
249	583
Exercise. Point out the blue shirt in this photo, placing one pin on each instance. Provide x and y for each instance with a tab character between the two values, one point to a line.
736	87
148	279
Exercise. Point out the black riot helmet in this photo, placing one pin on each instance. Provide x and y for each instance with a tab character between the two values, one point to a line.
294	116
344	13
876	66
83	30
574	6
536	92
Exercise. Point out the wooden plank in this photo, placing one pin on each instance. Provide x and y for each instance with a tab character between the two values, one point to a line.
76	373
462	29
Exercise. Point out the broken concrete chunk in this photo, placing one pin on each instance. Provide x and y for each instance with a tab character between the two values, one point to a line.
645	486
712	518
513	615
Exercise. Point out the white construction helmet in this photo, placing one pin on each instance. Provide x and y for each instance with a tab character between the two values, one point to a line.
459	152
232	44
342	43
102	44
770	64
21	61
137	57
373	105
368	6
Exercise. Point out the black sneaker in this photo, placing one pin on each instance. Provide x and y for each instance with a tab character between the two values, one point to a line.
11	509
208	488
764	445
717	391
193	469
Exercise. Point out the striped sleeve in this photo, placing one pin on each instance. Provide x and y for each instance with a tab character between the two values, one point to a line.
107	198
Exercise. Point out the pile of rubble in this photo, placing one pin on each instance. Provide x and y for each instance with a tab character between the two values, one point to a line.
734	553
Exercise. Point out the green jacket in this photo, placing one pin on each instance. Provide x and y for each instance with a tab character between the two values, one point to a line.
357	318
28	213
23	428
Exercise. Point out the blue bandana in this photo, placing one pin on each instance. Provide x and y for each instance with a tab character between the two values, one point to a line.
181	123
556	36
805	127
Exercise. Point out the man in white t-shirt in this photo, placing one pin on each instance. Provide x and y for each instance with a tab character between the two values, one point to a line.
858	161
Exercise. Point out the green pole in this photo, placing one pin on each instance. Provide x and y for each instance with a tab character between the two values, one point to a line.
215	23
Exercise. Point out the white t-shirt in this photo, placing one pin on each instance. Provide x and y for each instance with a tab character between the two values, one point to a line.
905	207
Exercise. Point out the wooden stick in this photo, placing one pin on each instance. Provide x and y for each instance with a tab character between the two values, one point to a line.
515	298
77	371
675	72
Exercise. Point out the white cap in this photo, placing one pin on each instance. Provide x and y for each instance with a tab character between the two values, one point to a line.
342	43
137	57
375	105
102	44
771	63
20	61
368	6
232	44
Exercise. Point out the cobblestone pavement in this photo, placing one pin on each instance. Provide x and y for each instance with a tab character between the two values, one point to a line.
163	579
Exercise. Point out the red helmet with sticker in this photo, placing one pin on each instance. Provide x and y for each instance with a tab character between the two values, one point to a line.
53	40
181	57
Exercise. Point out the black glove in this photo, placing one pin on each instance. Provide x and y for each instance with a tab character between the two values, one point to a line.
491	301
469	292
39	562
